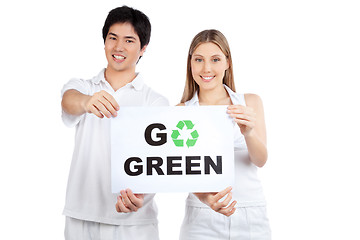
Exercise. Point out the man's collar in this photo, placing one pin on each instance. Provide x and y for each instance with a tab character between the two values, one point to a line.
138	82
100	77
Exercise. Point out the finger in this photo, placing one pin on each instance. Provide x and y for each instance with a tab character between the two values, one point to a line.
243	117
128	202
111	100
229	210
244	122
117	207
240	108
235	110
247	113
100	106
120	207
95	111
221	194
217	206
227	200
109	107
141	196
137	199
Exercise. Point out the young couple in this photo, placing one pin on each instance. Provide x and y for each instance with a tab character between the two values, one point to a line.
91	210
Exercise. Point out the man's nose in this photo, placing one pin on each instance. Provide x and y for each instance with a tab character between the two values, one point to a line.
119	46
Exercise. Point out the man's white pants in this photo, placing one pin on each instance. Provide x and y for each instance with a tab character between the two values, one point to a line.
76	229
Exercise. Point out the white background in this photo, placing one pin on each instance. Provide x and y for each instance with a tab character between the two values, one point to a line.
301	57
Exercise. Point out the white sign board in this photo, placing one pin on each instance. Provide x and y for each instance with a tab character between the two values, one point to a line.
172	149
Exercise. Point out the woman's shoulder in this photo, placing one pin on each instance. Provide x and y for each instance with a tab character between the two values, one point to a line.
252	99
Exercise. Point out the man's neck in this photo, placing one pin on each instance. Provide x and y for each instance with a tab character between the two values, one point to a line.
118	79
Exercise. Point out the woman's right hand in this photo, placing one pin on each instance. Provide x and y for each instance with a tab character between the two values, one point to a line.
213	201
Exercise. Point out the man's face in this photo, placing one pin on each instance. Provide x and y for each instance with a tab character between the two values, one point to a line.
122	47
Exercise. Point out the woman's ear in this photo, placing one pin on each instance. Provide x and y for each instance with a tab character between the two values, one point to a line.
227	64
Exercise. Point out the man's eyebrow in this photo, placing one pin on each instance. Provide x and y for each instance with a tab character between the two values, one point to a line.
113	34
127	37
131	37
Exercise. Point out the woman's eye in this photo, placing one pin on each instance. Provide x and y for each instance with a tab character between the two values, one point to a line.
216	60
198	60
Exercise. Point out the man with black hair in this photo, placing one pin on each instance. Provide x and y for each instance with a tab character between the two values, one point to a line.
91	210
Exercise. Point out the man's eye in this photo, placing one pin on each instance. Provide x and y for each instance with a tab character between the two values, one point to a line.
129	41
112	38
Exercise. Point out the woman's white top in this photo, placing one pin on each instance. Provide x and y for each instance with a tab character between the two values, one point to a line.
247	190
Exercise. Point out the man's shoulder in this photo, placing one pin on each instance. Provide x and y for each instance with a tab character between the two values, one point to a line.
90	80
154	97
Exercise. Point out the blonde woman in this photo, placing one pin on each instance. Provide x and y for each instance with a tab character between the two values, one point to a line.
239	211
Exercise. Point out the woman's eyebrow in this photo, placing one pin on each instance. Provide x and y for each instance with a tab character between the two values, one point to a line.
199	55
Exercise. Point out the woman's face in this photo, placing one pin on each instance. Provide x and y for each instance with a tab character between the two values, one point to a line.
208	65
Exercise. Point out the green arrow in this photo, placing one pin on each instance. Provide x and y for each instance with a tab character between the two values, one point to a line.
189	124
190	142
175	134
179	143
195	134
180	125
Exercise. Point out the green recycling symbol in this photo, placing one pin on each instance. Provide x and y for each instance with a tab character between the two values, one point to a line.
190	142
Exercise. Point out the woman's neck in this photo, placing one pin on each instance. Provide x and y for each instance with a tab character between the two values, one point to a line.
215	96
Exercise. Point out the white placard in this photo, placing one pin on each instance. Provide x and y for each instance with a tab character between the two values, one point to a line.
172	149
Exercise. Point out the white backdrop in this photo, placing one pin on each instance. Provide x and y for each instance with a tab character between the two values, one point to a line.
301	57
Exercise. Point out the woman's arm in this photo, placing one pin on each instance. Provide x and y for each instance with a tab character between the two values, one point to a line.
251	121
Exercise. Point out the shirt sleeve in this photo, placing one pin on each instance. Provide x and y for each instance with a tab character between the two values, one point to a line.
160	101
81	86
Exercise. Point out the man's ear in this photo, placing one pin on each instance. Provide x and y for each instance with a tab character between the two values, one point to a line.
143	50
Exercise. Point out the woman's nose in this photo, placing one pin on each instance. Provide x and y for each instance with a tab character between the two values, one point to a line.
207	67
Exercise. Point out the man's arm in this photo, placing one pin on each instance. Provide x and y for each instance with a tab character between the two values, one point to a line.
101	103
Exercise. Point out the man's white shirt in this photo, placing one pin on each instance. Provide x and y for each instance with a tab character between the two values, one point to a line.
88	195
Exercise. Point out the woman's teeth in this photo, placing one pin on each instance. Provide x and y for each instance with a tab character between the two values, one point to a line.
207	78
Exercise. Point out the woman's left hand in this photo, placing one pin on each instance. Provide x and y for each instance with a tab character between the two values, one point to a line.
244	116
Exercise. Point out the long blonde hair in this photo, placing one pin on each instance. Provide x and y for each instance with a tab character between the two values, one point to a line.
216	37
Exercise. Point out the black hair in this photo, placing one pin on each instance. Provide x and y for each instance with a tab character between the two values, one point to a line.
136	18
